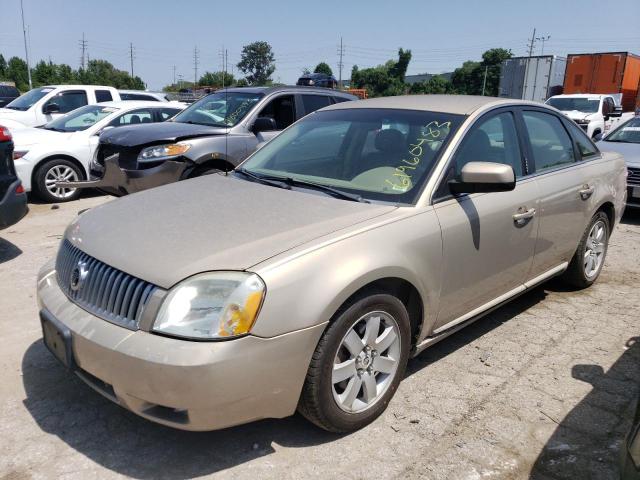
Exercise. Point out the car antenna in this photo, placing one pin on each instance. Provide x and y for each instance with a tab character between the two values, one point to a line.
226	107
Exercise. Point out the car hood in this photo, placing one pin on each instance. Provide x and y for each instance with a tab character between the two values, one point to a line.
630	151
14	118
166	234
578	115
30	136
155	133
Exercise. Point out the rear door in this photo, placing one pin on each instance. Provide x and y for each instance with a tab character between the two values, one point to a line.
487	252
553	161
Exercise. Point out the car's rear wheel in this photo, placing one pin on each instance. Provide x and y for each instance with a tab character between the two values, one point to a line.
53	171
358	364
587	262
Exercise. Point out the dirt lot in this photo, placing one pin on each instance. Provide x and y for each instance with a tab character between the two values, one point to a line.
539	389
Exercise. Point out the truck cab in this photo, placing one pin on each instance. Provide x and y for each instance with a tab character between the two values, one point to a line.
595	114
43	104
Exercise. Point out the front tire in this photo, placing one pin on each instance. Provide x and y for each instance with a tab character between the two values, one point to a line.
586	264
52	171
358	364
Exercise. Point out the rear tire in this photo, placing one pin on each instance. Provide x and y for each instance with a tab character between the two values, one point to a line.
51	171
586	264
357	365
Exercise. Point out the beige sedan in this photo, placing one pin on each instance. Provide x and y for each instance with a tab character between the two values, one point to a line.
306	278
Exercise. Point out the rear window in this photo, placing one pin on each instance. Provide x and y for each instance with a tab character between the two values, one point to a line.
103	96
8	91
138	96
315	102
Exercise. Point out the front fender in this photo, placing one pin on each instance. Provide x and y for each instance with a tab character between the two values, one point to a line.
306	286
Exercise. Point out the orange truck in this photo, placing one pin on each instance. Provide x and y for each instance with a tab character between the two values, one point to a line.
605	73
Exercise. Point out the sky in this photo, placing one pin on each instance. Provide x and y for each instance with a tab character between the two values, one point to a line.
441	34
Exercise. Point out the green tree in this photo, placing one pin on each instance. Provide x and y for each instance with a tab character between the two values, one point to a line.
466	79
3	67
435	85
217	79
257	63
17	73
323	67
44	73
492	61
101	72
383	80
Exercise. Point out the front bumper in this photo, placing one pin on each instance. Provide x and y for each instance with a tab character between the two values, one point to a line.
633	196
13	206
184	384
120	181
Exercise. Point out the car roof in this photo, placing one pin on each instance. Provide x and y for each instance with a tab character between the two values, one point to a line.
286	88
77	86
456	104
131	104
582	95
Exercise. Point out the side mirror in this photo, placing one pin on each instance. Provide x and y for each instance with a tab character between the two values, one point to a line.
51	108
597	137
477	177
264	124
99	132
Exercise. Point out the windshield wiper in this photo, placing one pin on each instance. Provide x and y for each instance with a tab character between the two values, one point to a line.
262	179
323	188
191	122
15	108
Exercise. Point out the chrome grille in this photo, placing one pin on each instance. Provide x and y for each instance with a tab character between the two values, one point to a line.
104	291
633	176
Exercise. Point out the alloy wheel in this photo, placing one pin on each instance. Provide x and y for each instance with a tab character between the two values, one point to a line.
60	173
595	248
366	362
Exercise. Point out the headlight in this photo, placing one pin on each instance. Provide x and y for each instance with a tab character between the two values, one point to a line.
583	121
160	152
19	154
212	306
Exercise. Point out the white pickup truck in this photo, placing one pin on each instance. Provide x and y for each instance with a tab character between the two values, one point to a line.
596	114
43	104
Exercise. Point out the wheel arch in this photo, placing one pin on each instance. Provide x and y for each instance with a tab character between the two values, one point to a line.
610	210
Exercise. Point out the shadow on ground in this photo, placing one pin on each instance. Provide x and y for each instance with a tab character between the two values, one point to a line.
631	216
8	251
588	441
86	193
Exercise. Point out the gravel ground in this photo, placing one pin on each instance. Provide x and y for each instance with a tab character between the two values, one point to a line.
541	389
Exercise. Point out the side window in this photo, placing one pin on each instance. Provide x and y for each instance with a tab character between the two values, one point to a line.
68	101
492	140
133	118
282	110
103	96
167	113
550	143
586	148
315	102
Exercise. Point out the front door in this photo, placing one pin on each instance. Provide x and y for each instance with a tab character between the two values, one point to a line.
488	238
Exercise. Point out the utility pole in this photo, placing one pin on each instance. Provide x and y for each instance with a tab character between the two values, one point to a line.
484	82
543	39
131	57
224	55
83	48
532	42
174	74
26	50
340	63
195	66
179	81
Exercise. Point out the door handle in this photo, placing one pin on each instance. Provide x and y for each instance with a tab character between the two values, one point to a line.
523	216
586	191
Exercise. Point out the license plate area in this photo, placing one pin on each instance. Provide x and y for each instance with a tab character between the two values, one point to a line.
57	338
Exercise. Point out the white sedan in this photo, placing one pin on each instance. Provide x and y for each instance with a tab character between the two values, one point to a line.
62	149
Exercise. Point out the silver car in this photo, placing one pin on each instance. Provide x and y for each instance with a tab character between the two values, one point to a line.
306	278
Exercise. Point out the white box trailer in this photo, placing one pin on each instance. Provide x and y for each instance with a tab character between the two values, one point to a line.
532	78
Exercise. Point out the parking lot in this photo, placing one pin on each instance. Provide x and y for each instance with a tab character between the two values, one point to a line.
541	388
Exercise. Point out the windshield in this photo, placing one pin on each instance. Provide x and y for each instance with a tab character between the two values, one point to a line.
221	109
587	105
628	132
80	119
378	154
26	101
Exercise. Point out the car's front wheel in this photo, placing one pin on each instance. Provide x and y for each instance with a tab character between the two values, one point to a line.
50	173
587	262
358	364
